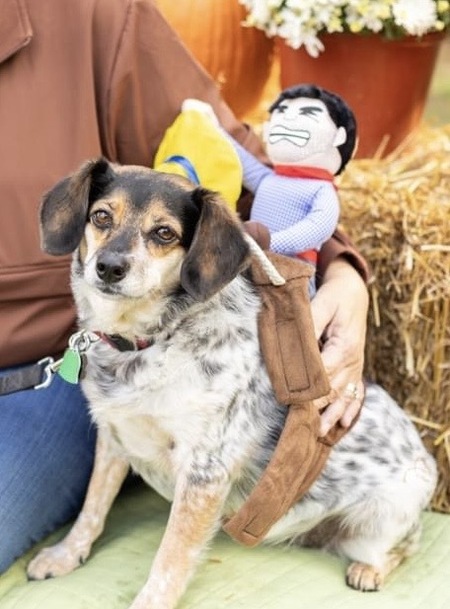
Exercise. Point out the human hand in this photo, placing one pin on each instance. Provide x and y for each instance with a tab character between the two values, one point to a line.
339	312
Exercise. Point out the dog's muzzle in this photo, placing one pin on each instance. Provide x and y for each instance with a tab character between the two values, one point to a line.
112	267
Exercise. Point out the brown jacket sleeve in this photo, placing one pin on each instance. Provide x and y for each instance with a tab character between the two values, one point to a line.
341	246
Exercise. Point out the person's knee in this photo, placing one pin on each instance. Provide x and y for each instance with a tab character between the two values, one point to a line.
48	445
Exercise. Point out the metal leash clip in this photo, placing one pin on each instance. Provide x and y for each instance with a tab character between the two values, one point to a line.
50	368
82	340
70	367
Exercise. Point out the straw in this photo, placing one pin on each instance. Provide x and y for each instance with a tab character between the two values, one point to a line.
397	212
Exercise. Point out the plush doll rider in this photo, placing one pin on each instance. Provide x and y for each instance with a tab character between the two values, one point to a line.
309	138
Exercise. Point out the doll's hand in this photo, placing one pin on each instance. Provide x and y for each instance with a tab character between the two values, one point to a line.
259	232
202	107
339	312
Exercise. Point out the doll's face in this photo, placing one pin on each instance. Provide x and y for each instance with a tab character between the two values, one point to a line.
301	132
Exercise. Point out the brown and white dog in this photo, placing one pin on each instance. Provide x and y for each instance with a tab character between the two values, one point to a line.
159	264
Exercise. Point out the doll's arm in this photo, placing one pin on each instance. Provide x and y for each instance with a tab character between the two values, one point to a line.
253	170
314	229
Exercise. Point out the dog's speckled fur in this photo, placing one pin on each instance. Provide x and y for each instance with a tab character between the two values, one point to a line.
194	413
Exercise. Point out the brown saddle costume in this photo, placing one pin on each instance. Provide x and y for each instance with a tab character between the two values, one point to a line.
293	361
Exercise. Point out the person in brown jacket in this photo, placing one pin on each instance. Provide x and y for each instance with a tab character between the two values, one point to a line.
80	79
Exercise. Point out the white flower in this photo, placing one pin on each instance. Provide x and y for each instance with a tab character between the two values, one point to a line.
301	22
259	12
366	15
416	16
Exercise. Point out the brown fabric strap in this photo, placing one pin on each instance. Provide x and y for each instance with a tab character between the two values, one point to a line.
293	361
296	464
280	483
286	333
295	368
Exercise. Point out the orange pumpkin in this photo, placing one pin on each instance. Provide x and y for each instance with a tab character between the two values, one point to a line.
238	58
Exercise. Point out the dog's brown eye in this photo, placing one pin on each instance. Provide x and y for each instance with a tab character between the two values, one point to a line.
101	219
165	234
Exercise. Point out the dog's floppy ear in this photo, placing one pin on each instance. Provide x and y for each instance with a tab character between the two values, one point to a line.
64	208
218	251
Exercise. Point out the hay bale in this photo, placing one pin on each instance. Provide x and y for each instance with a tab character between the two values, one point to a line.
397	211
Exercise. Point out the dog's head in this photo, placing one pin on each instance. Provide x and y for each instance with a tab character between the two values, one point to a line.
136	231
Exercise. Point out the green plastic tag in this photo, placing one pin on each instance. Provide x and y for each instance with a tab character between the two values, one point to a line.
70	368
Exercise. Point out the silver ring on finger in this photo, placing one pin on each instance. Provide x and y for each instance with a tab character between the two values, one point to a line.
351	391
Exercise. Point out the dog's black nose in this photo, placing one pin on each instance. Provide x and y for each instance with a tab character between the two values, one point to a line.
112	267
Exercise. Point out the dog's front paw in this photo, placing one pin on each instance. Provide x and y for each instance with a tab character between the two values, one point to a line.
54	561
364	577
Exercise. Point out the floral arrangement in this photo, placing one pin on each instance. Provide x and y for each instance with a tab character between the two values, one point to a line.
300	22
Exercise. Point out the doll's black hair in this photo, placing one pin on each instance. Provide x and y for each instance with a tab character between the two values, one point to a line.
338	109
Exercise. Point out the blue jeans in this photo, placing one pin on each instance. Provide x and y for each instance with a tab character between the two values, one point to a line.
47	444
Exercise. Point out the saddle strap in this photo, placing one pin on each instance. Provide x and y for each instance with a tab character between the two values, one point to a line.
294	365
293	465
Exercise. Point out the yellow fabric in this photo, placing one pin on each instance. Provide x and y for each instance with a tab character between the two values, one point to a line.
195	137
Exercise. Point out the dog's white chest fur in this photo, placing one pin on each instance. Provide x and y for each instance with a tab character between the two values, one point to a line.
170	405
158	421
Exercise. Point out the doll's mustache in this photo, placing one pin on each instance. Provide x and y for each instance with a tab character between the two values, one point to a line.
298	137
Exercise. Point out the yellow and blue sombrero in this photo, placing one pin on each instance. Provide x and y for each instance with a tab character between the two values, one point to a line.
195	147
